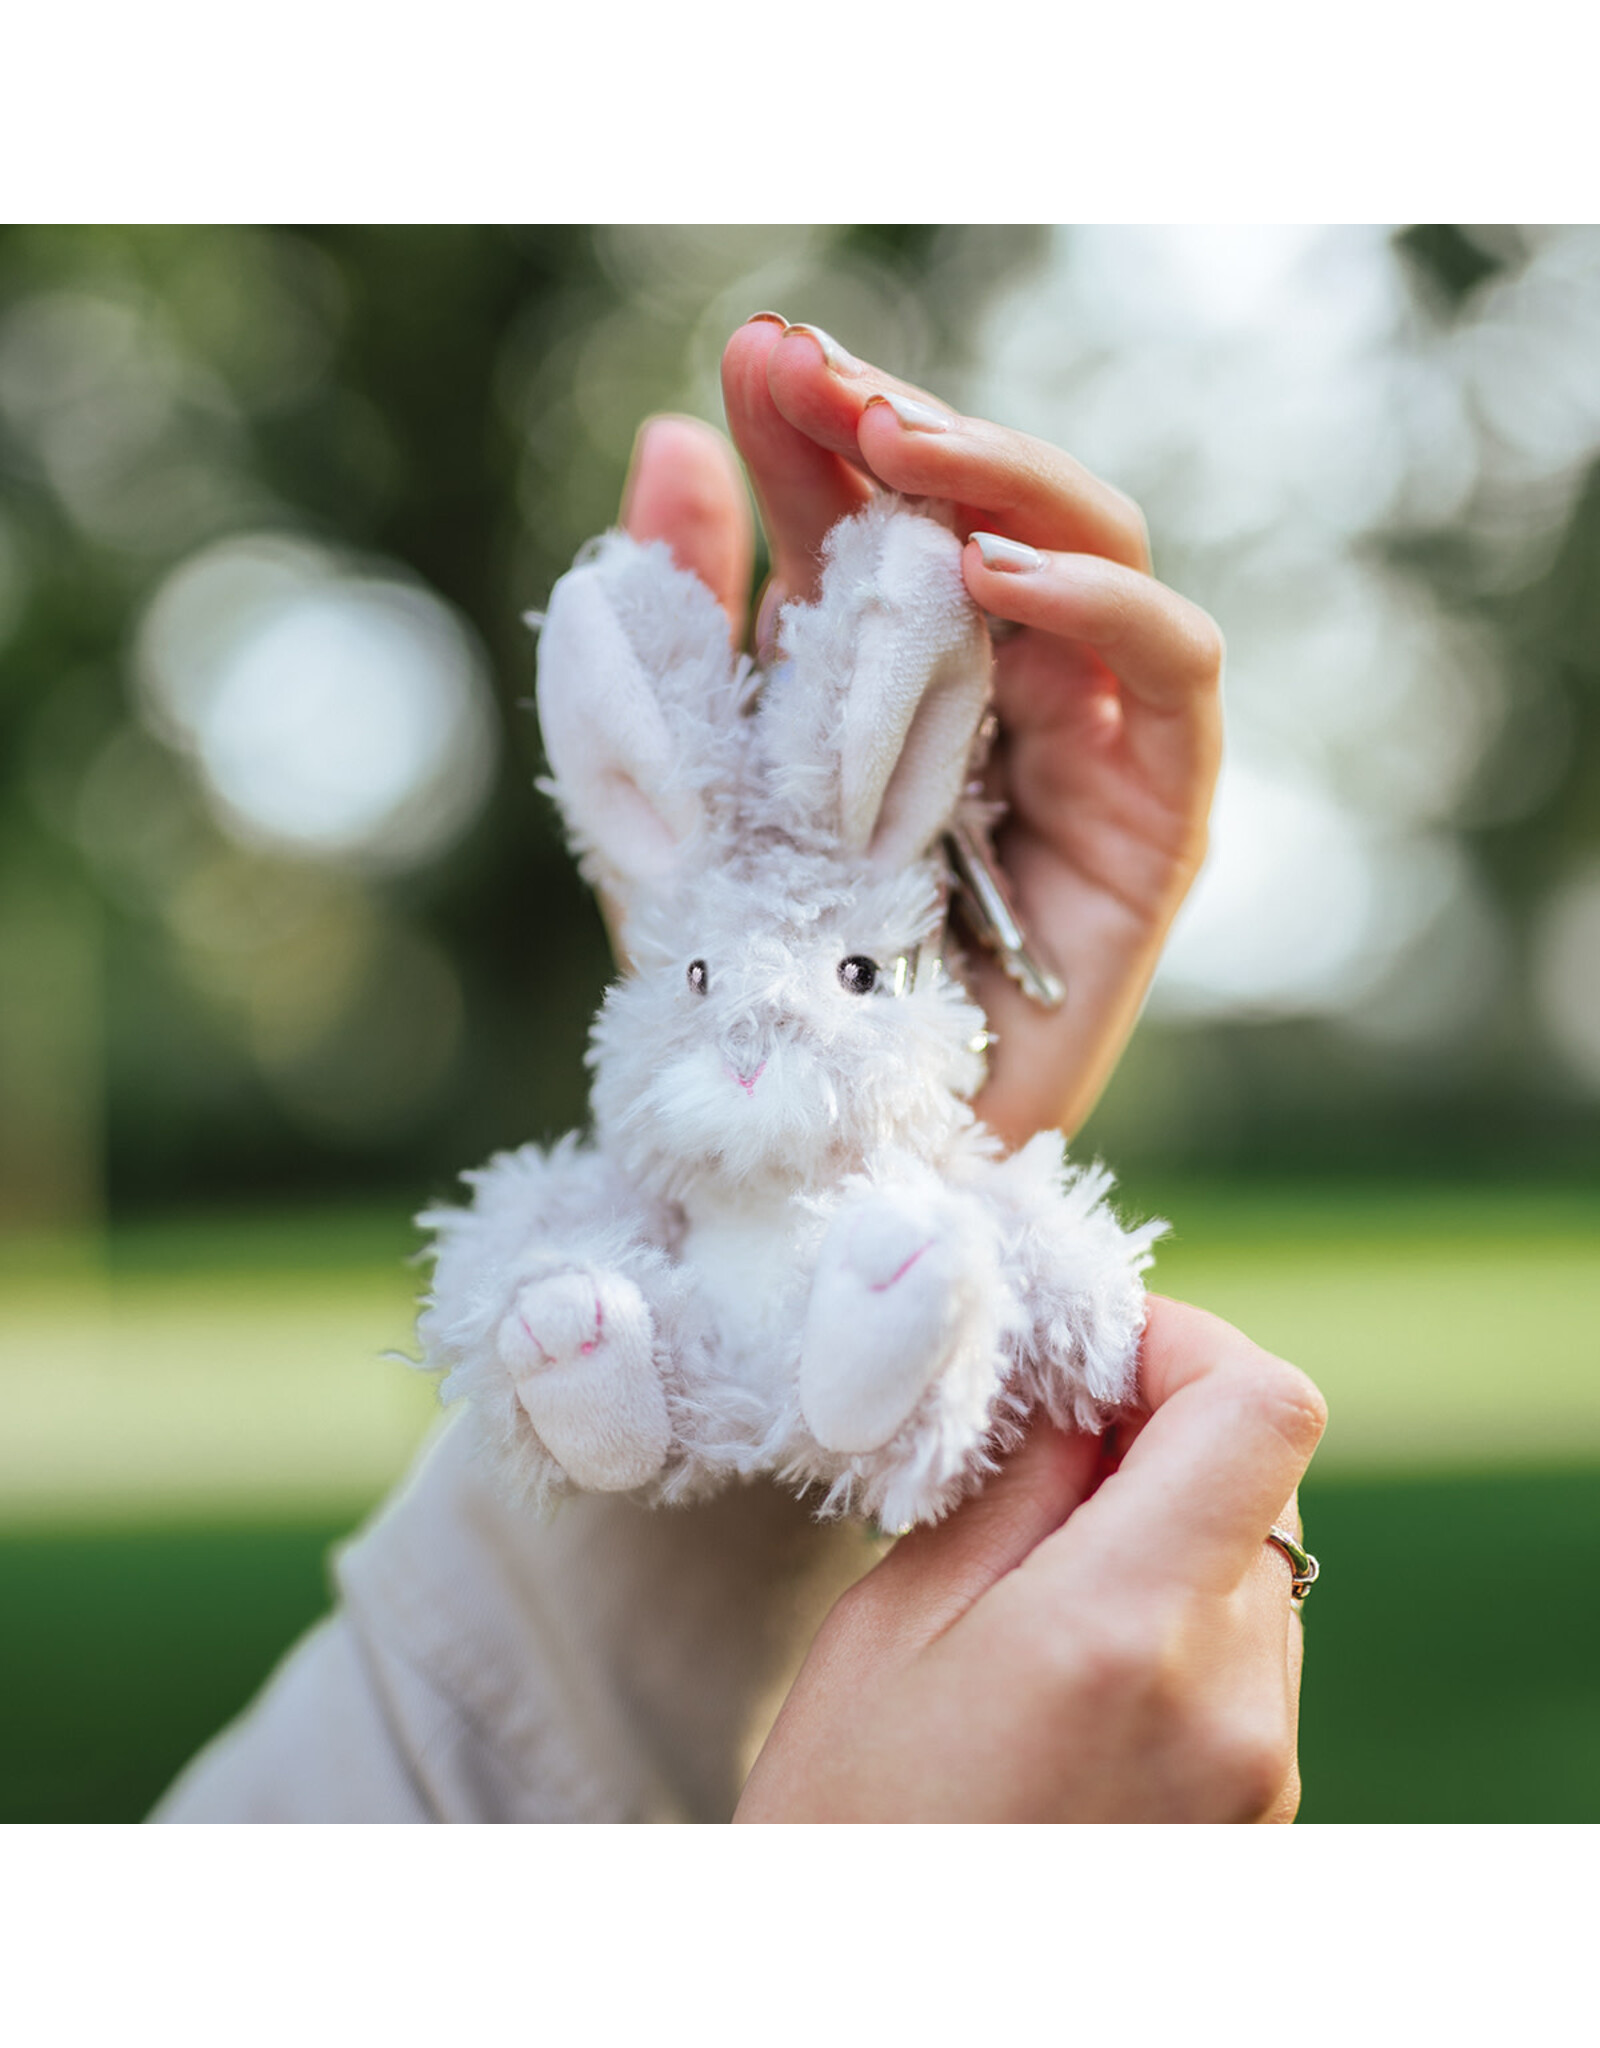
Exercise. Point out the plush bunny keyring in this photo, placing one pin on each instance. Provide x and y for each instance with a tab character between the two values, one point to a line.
790	1245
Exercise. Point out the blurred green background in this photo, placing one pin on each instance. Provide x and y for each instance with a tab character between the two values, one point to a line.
286	940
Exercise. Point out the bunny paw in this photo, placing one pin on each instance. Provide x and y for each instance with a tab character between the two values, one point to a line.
892	1299
579	1349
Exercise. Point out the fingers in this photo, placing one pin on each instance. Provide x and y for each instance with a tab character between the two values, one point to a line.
934	1574
926	449
1278	1629
1287	1804
1106	623
1230	1434
684	487
1164	651
812	422
1111	715
802	488
1070	555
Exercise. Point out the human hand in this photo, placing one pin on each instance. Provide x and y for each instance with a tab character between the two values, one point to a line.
1078	1643
1108	694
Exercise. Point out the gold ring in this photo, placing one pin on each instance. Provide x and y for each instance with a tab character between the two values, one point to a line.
1301	1563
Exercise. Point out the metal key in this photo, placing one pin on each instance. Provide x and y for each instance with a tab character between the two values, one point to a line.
988	907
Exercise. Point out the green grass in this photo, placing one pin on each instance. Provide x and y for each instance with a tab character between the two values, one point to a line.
1452	1659
195	1410
1448	1326
222	1368
125	1650
1453	1649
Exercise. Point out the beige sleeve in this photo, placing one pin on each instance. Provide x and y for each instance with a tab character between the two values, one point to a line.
612	1664
316	1746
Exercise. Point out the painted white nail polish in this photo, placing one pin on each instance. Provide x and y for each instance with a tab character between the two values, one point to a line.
833	355
1000	553
911	413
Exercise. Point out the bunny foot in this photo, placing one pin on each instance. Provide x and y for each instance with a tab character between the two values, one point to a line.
579	1349
892	1300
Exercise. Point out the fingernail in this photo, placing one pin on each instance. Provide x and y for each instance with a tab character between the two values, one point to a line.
912	415
777	318
999	553
833	355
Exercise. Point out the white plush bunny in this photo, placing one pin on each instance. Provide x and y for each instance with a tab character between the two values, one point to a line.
790	1245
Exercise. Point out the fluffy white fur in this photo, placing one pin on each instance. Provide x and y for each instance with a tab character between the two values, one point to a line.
790	1246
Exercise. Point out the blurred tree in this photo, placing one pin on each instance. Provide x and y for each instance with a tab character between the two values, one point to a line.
337	385
1507	1077
422	402
188	1008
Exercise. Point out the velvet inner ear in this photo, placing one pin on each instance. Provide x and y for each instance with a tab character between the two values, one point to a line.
639	841
925	784
908	729
616	774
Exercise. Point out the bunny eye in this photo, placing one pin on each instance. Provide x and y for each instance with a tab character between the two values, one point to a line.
858	974
699	980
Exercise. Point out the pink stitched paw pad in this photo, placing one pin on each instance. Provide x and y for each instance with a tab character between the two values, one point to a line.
889	1304
579	1348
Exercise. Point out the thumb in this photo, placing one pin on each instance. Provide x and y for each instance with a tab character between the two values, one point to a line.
685	487
936	1572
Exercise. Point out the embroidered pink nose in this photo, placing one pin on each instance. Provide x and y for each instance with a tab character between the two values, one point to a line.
746	1081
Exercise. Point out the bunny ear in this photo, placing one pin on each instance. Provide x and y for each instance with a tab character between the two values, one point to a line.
637	707
889	684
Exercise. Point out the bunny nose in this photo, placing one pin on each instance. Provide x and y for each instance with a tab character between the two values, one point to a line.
743	1047
746	1077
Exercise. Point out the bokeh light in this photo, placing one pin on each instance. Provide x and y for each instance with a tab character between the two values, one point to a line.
287	938
1292	425
330	714
140	442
